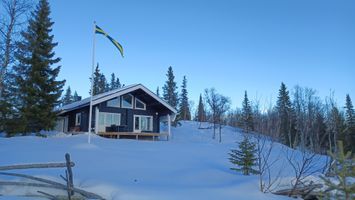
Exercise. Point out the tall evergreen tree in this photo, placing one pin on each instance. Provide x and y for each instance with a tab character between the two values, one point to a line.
6	100
285	115
76	97
113	82
349	135
104	85
95	87
170	94
184	109
100	84
201	112
36	78
244	158
68	97
118	83
247	113
157	92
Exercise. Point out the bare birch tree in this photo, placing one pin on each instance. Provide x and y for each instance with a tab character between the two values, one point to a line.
211	97
12	23
223	106
266	162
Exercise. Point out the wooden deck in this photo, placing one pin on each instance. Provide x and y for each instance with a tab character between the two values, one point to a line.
118	135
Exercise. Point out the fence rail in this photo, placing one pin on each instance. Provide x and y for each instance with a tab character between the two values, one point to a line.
45	183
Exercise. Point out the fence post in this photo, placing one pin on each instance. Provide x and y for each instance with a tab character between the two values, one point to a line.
69	174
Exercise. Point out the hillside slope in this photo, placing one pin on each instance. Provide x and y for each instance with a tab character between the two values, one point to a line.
190	166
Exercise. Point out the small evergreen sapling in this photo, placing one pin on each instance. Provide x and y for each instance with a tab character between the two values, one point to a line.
244	157
344	169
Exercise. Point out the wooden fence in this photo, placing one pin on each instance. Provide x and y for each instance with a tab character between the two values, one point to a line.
72	192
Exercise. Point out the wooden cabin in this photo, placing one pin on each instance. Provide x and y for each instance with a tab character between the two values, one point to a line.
131	110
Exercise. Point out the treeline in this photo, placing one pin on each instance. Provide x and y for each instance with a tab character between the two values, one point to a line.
172	96
299	120
100	85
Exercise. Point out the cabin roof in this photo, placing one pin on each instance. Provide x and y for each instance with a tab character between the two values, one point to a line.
112	94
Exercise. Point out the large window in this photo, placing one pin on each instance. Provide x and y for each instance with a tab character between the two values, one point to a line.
108	119
114	102
77	119
127	101
140	105
143	123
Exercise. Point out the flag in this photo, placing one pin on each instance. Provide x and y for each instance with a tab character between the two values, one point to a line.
98	30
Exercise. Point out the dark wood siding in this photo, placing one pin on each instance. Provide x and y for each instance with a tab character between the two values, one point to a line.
128	113
153	108
84	119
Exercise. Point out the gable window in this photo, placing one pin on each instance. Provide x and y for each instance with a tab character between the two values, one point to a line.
140	105
77	119
114	102
127	101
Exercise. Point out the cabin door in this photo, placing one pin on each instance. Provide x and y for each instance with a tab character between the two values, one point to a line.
62	124
143	123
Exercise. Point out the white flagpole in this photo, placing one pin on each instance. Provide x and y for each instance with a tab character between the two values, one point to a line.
92	85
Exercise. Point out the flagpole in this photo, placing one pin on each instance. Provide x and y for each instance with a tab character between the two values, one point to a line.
92	85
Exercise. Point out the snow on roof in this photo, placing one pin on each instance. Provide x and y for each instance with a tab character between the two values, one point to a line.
107	95
85	101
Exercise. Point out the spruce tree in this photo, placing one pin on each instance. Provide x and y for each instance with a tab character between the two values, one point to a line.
95	87
170	94
113	82
157	92
100	84
35	75
11	104
247	113
285	116
76	97
349	135
118	83
68	98
244	158
6	109
184	109
104	85
343	167
201	114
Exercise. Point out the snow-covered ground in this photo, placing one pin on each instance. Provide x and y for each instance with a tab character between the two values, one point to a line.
190	166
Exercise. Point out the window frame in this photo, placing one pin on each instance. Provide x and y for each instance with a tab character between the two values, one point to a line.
135	104
151	124
105	116
113	106
122	106
77	119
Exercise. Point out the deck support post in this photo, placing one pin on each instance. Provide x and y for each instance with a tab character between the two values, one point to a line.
169	126
97	112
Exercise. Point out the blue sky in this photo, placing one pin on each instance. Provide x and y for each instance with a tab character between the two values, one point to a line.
230	45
